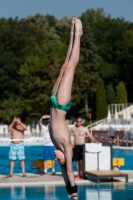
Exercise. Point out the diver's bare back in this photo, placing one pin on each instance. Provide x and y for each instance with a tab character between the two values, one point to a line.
79	134
17	134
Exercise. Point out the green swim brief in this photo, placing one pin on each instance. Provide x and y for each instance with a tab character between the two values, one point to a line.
54	104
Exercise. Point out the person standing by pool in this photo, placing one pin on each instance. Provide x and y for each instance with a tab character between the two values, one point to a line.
48	149
17	128
60	103
79	133
111	135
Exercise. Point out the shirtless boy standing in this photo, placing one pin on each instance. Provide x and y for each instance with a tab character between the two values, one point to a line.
17	128
79	133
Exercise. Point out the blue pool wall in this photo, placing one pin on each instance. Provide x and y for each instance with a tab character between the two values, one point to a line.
35	152
127	154
32	152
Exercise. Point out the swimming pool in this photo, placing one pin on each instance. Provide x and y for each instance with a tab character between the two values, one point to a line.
32	153
125	153
36	152
119	191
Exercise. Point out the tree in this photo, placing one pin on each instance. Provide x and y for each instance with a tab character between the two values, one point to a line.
15	44
110	94
43	27
121	93
113	38
101	102
127	61
33	49
63	28
89	63
19	39
40	71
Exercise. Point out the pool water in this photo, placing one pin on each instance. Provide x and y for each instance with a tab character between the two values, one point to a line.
119	191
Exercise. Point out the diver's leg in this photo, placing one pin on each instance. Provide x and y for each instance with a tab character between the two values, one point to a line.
72	33
56	85
65	86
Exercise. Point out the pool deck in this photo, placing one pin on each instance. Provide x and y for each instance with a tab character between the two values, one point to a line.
37	179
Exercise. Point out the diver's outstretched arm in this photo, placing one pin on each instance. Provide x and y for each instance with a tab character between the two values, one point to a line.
67	171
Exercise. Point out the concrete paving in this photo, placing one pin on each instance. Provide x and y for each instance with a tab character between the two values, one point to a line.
38	179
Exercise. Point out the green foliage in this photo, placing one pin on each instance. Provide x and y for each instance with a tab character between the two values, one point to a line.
63	29
89	63
43	27
121	93
101	102
12	52
40	71
110	94
13	111
32	51
89	52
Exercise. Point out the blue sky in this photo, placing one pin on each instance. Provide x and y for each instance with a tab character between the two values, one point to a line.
61	8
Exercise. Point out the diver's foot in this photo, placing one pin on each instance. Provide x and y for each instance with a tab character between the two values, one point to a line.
78	27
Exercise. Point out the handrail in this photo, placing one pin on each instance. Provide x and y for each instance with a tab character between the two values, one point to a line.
96	123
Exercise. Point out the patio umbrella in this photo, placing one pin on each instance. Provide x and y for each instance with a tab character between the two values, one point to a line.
109	115
116	114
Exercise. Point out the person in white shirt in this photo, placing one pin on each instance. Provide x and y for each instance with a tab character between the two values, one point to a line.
48	149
